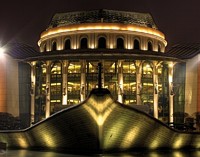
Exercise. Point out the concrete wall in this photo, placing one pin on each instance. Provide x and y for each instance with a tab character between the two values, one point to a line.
191	83
12	86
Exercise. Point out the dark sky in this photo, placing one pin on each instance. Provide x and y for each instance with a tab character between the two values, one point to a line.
24	20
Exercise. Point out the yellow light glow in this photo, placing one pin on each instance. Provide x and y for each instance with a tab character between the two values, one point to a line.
130	137
64	102
23	143
55	84
100	120
102	26
99	111
49	140
180	141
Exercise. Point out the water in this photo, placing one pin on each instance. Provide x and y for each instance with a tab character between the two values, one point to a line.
28	153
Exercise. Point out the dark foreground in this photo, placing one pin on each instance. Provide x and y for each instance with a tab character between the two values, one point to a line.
27	153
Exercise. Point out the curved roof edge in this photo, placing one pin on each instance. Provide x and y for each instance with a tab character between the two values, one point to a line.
102	15
20	50
184	50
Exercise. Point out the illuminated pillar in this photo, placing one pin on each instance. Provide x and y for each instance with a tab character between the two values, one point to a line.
155	86
65	65
83	80
32	92
59	44
48	88
171	92
138	65
120	81
103	74
48	46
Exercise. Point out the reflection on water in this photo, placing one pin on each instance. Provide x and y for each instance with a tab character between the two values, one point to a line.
27	153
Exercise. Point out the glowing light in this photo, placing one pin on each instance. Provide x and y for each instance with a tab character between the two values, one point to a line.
131	137
103	26
23	143
2	50
49	140
100	120
99	111
180	141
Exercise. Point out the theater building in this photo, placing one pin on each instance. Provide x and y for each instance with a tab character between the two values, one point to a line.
135	67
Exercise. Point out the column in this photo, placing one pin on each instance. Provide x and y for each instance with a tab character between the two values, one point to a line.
48	88
32	92
65	65
83	80
155	86
120	81
171	92
138	65
103	74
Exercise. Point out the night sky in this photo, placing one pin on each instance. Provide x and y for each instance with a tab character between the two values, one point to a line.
24	20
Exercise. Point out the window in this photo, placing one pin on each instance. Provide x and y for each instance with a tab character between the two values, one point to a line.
102	43
120	43
147	85
54	45
136	44
150	47
84	43
67	44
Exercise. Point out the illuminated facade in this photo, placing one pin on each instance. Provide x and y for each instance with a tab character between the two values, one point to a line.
135	68
130	48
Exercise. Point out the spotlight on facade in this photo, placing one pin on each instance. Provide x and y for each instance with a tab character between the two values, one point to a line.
2	50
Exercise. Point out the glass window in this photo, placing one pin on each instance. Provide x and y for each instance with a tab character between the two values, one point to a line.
163	87
110	77
74	80
147	91
56	87
129	79
91	75
40	91
179	90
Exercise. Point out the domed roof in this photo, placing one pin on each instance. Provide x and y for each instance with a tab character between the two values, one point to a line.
103	15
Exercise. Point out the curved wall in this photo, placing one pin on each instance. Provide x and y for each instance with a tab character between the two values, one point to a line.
98	125
111	32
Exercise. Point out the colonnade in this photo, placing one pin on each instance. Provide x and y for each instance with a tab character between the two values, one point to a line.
120	83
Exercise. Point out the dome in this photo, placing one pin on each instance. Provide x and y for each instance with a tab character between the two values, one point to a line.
103	16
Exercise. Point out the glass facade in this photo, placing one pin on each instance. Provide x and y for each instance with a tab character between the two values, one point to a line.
120	77
179	92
